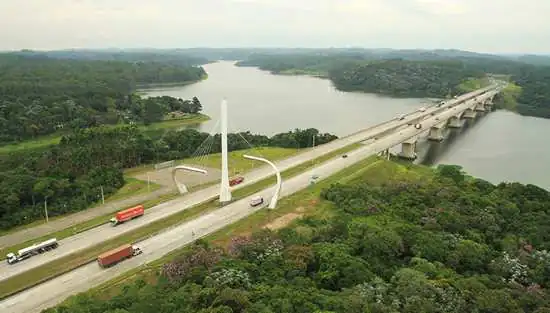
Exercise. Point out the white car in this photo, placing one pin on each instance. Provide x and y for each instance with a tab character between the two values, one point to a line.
401	117
422	109
256	201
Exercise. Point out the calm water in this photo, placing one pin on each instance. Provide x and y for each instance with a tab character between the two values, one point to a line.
499	146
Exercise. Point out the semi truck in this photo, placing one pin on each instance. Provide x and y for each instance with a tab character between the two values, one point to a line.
128	214
35	249
114	256
235	181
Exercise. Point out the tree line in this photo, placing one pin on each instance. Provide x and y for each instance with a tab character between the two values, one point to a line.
40	95
416	73
443	243
69	175
404	78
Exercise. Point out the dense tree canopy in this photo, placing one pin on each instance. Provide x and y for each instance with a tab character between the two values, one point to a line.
311	64
404	78
535	96
40	95
69	175
446	243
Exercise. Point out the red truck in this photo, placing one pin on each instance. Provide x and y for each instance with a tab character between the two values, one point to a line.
235	181
114	256
128	214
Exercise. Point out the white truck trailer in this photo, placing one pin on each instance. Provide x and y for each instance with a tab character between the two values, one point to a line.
35	249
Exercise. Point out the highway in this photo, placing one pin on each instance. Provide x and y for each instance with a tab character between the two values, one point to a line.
104	232
56	290
73	219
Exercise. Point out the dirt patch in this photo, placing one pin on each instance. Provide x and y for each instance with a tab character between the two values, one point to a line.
283	221
190	179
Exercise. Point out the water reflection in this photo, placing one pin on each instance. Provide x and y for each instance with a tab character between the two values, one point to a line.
431	152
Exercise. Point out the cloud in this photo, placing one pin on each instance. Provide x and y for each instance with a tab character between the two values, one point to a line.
490	25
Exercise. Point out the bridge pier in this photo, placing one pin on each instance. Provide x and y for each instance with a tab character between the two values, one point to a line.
480	107
385	154
456	122
470	113
436	132
489	103
408	149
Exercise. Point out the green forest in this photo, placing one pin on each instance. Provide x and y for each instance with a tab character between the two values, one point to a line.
40	95
89	98
69	175
415	73
404	78
396	239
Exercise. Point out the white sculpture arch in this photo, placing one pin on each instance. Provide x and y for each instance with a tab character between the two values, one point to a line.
181	186
273	202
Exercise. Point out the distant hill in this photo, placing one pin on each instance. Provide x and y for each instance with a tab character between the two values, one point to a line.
163	56
534	59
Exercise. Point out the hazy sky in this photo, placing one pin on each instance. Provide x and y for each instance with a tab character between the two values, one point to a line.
477	25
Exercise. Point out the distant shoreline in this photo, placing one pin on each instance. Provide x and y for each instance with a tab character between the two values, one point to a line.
141	88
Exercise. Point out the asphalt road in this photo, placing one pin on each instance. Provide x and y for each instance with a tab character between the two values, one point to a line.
56	290
102	233
73	219
76	218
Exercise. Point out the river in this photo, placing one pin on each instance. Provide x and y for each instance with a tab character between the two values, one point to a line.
498	146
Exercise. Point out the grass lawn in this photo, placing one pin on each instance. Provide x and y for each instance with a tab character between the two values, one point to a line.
472	84
236	162
175	123
508	97
47	271
53	139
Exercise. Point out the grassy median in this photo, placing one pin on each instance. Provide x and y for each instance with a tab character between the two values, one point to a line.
55	268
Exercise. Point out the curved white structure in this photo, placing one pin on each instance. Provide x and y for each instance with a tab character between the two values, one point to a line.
273	202
225	191
181	186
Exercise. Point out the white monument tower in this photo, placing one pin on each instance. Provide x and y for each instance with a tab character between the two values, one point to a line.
225	192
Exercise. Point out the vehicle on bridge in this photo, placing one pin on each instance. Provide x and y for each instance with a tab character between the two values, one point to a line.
30	251
256	201
116	255
235	181
128	214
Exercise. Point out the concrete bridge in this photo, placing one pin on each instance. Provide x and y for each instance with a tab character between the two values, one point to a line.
403	130
450	116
